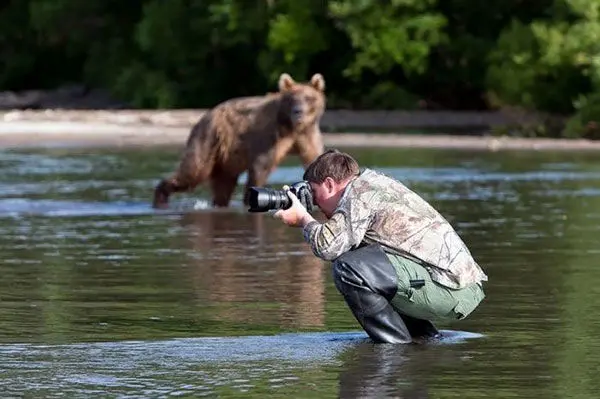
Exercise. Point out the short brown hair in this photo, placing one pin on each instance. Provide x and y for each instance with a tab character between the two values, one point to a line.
332	163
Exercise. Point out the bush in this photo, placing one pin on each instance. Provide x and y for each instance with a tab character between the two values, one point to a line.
586	121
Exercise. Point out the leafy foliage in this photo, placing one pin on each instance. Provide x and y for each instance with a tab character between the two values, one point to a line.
538	55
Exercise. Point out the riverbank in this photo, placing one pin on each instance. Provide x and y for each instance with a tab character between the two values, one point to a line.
147	127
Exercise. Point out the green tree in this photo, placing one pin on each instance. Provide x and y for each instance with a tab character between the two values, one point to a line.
549	63
199	53
538	55
456	77
18	47
386	34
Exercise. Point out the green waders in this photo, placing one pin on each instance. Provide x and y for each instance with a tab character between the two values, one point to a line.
394	298
422	298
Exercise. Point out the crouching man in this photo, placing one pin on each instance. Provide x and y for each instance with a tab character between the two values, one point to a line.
397	262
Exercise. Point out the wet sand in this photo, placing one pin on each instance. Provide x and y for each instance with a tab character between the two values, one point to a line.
145	128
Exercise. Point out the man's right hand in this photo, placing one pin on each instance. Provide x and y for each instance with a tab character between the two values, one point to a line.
296	215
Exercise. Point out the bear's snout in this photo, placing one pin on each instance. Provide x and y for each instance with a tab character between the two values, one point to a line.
296	113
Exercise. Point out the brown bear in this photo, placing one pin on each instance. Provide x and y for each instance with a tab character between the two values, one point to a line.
250	134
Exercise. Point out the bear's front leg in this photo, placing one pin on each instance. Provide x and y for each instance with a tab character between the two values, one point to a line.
309	147
162	192
223	185
258	175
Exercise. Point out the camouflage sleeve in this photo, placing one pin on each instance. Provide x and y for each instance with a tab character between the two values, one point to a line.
334	237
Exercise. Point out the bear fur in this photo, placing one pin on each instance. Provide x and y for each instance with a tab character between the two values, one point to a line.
251	134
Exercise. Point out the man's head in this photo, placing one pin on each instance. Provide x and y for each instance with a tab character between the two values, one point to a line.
328	175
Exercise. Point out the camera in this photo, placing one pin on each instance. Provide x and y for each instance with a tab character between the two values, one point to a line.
265	199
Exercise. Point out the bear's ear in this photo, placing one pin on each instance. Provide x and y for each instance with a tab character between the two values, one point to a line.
318	82
285	82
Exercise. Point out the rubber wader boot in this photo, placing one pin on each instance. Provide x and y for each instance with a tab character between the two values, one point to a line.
367	280
420	329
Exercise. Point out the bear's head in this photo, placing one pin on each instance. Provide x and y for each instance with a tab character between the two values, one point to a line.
302	104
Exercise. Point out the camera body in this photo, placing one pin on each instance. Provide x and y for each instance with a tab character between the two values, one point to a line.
261	199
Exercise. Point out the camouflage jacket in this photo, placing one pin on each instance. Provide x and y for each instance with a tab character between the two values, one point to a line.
375	208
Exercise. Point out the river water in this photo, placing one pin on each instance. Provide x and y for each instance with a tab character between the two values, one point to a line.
102	296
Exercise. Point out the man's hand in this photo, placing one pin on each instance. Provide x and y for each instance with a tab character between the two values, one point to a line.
296	215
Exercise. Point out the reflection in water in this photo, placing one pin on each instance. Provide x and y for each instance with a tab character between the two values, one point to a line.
254	365
242	267
399	371
372	371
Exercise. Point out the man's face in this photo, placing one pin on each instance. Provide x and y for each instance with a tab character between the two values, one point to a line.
326	195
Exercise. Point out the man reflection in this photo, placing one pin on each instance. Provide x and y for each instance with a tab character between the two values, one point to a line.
254	274
376	371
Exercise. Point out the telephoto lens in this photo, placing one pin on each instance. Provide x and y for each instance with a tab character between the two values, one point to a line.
265	199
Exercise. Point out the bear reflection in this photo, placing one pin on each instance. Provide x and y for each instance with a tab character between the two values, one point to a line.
250	268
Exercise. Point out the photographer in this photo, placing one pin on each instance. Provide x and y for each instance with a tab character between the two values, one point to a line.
398	263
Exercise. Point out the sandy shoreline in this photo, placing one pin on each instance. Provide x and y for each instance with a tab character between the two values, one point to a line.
147	128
